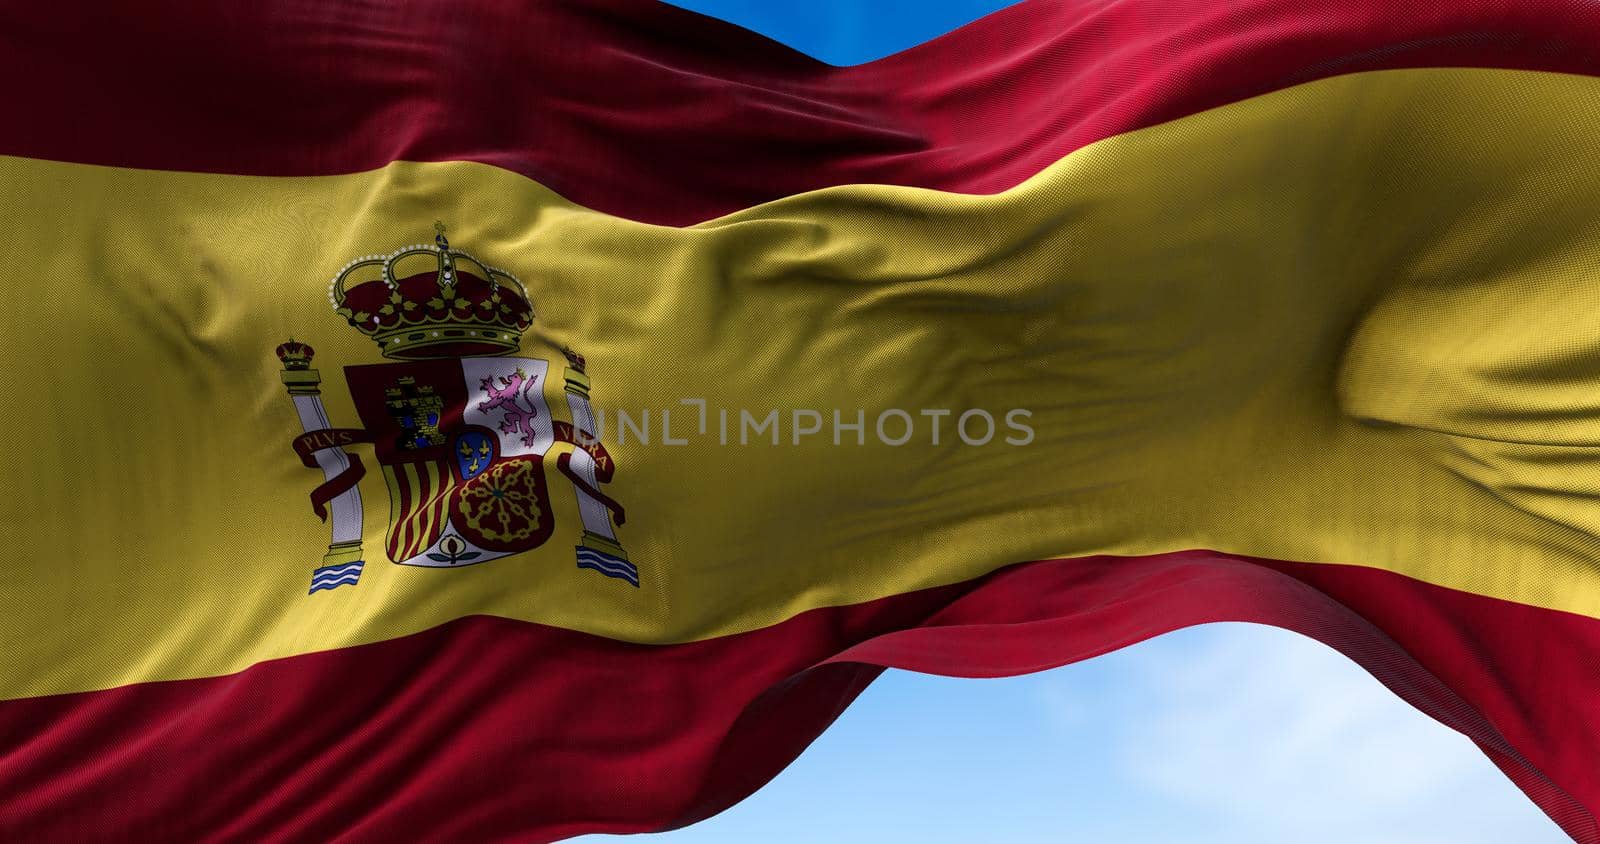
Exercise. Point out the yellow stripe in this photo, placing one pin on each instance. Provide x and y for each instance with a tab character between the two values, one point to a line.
400	530
424	523
1354	321
430	510
419	525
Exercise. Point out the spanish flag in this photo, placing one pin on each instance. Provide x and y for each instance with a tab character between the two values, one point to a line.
507	419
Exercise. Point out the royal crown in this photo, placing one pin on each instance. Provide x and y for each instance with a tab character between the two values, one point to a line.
295	355
431	300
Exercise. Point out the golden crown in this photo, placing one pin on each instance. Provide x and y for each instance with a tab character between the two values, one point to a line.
295	355
431	300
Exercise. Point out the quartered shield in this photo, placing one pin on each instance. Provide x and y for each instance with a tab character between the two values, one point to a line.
461	443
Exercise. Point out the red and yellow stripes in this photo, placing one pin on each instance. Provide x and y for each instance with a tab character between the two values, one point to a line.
489	729
1361	436
419	492
570	93
1309	290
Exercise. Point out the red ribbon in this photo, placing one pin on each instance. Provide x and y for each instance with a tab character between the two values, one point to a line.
604	466
308	444
564	463
337	485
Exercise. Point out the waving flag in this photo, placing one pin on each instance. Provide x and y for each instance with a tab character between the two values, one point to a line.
503	420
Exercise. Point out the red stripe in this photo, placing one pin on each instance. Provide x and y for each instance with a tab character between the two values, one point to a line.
401	531
418	507
647	111
489	729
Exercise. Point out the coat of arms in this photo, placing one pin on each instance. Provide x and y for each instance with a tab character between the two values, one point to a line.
460	427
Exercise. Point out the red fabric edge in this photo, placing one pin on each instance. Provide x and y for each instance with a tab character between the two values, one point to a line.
489	729
647	111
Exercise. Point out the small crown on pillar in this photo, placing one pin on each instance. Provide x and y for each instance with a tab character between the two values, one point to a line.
295	355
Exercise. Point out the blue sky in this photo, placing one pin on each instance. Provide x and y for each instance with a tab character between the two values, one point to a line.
1221	734
848	31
